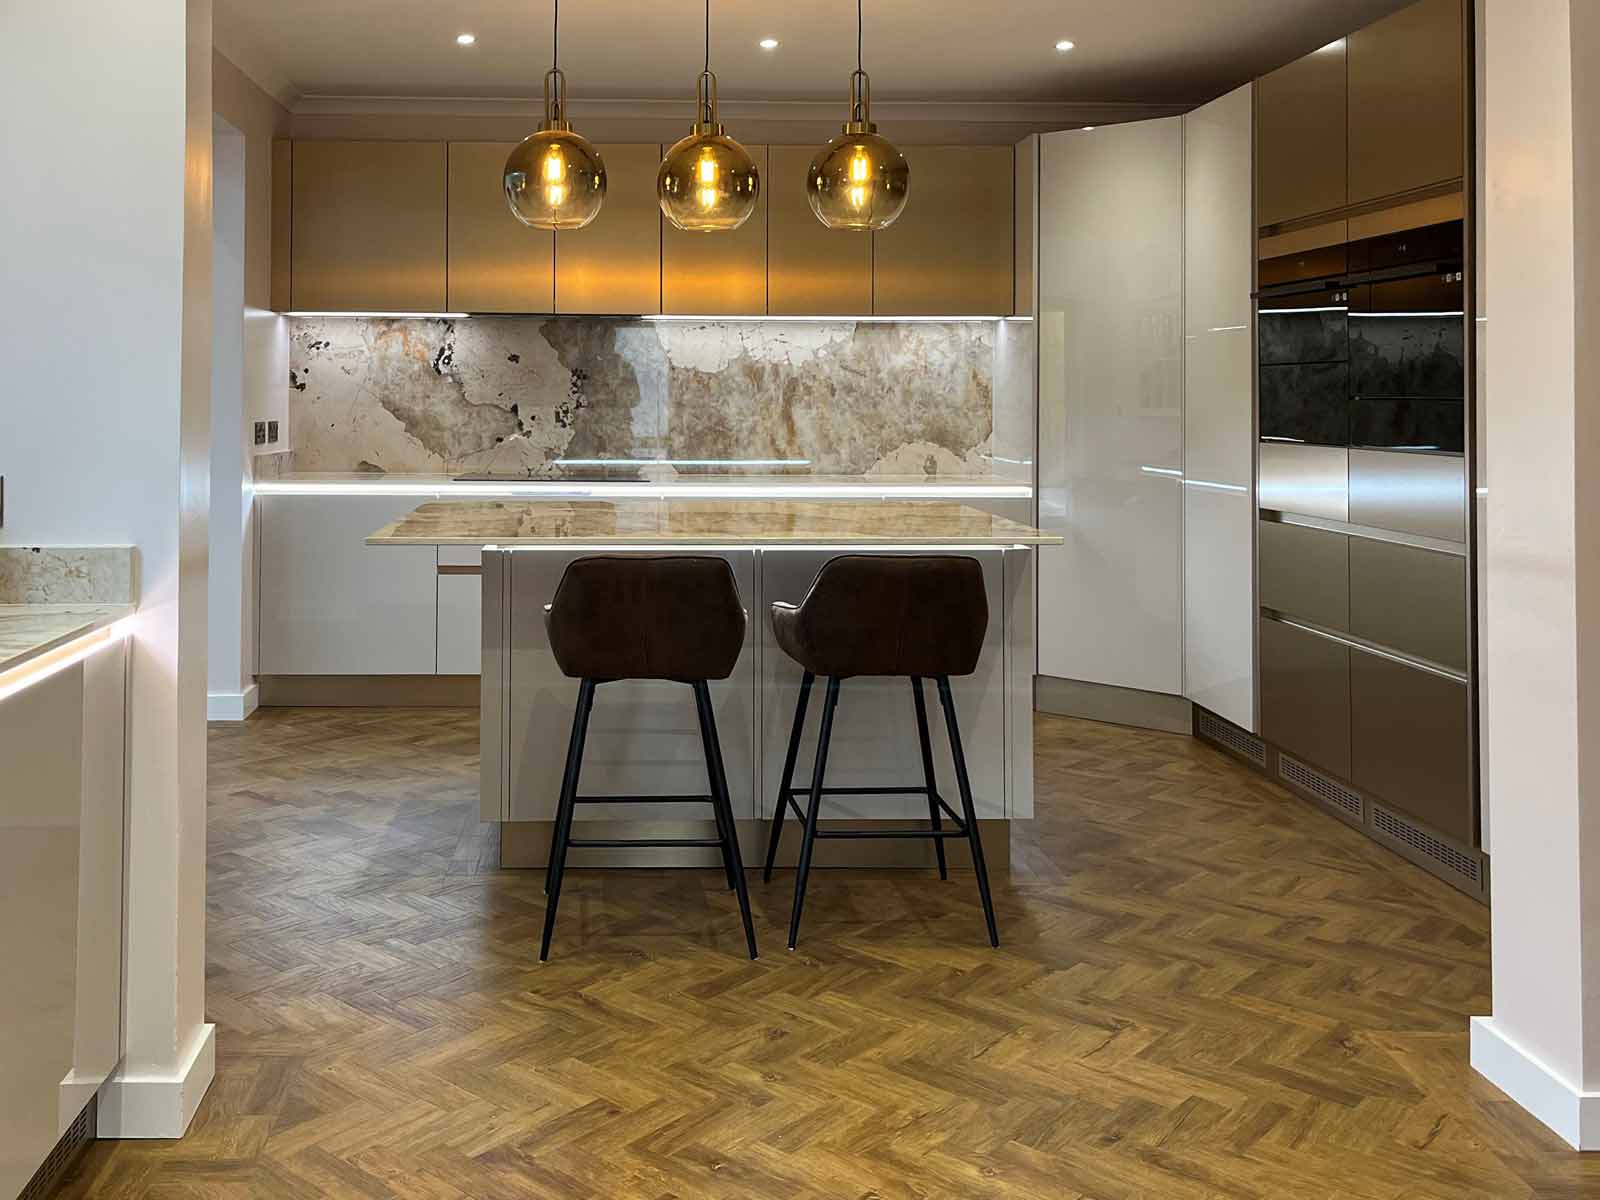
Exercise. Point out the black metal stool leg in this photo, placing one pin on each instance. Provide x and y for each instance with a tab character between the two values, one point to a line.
712	753
969	812
786	785
927	773
564	810
723	802
813	813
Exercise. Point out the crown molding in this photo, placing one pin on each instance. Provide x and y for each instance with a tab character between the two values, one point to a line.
1041	113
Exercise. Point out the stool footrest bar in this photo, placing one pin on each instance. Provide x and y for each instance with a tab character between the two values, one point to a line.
594	843
930	834
643	800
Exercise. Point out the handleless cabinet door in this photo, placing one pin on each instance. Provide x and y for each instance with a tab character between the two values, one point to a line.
1410	599
718	274
1300	137
369	226
811	270
1305	573
496	263
613	264
1407	108
1305	695
950	251
1410	742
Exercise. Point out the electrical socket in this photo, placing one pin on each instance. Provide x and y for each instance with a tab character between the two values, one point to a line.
261	433
272	432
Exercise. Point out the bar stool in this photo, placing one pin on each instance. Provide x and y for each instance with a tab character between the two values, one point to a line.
676	618
922	617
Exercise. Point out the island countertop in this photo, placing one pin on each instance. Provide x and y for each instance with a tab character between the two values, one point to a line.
30	631
707	523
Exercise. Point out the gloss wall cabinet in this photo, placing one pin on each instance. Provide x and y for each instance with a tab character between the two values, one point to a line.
61	905
368	227
364	226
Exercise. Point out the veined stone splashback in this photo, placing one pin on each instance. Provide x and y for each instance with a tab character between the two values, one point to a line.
513	394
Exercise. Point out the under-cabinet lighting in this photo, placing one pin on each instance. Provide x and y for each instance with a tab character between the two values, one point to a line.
1373	316
648	491
69	654
725	547
1274	312
680	462
732	319
392	316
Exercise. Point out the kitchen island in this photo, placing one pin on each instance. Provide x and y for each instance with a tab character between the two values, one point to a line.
643	735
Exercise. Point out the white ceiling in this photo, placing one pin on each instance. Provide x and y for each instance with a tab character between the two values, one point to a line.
1148	51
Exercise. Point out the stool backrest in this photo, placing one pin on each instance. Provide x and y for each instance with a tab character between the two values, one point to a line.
672	616
879	614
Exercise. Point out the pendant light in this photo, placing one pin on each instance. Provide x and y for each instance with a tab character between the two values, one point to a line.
707	182
858	180
555	178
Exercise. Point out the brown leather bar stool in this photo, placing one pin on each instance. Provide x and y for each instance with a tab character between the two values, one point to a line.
676	618
922	616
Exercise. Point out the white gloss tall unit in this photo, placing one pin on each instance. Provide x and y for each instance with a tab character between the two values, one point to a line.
1146	418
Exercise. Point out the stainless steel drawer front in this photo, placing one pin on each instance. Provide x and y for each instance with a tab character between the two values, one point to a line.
1305	573
1311	480
1424	494
1412	600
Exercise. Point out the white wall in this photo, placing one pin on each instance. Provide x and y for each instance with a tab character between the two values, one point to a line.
228	683
1541	716
104	326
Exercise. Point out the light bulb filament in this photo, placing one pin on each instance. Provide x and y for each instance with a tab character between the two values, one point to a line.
555	166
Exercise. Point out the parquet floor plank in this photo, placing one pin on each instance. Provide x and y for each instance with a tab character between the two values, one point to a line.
1208	990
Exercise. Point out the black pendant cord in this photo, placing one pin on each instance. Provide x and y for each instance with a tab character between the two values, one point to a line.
858	34
555	36
707	67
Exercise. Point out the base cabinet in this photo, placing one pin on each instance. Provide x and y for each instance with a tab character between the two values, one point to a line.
61	888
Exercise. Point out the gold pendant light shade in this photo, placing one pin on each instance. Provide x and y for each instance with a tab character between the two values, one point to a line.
859	180
555	179
707	183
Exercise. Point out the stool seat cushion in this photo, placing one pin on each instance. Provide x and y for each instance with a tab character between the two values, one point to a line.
870	614
675	617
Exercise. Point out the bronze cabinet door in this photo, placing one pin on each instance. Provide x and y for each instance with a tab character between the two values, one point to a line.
612	265
1300	137
1407	101
950	253
496	263
369	226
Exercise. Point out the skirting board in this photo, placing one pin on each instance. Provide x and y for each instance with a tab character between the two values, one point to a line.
370	691
1572	1114
1113	705
159	1106
527	844
232	706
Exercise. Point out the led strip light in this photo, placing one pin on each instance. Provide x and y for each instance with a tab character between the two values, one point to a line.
649	491
66	655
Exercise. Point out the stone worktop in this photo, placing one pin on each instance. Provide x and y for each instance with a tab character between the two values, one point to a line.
28	631
705	522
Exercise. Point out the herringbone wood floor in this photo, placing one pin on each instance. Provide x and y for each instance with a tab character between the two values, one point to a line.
1206	989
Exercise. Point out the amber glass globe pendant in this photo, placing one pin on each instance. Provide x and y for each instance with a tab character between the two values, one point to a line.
859	180
707	182
555	179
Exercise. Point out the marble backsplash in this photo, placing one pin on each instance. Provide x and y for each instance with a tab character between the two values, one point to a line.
514	394
67	575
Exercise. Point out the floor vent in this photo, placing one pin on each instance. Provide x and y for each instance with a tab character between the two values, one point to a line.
1419	841
78	1135
1330	791
1230	736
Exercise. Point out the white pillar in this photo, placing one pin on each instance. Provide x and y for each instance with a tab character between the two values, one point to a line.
1541	715
105	332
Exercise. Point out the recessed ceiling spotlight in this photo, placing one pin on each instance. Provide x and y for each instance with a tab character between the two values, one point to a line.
466	39
768	43
1063	45
1088	128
